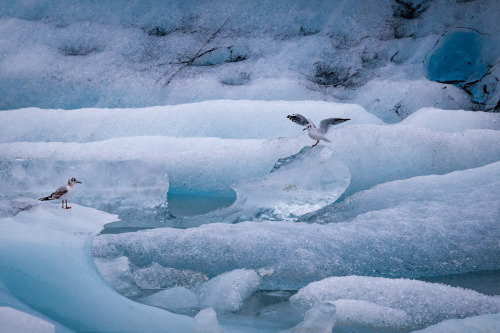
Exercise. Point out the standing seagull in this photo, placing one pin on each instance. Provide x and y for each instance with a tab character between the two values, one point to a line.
63	192
316	133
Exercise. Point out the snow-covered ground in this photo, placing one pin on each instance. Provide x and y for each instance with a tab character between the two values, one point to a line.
165	107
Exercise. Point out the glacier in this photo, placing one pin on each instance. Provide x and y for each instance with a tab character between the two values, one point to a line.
204	209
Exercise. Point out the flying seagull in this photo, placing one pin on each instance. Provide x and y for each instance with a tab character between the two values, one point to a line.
316	133
64	192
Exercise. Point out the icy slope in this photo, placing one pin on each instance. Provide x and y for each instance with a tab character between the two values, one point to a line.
408	239
423	303
46	263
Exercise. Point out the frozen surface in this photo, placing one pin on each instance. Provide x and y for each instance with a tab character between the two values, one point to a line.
67	54
458	236
206	322
173	298
319	319
298	184
12	320
227	291
156	276
425	303
46	263
226	119
452	120
479	324
117	273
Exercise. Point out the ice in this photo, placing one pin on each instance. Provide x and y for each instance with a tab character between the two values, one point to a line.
368	314
287	192
226	119
319	319
62	54
117	273
156	276
227	291
206	322
425	303
478	324
12	320
173	299
420	234
46	263
452	120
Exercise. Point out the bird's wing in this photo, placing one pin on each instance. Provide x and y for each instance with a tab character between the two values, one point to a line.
59	192
325	124
300	119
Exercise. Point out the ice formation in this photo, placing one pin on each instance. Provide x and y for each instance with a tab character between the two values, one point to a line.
12	320
62	54
46	263
227	291
156	276
299	253
319	319
478	324
206	322
173	299
117	273
424	303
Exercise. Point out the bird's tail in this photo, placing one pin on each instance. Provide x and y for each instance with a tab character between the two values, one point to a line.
46	198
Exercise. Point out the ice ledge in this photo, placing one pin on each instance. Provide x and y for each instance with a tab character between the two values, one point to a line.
46	263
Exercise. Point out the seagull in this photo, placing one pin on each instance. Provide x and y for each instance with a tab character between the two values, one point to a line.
316	133
63	192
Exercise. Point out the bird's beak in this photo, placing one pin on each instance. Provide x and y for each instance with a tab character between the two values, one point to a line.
79	182
304	129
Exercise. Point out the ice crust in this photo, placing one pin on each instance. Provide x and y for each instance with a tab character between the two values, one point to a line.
478	324
46	263
424	303
427	237
156	276
319	319
227	119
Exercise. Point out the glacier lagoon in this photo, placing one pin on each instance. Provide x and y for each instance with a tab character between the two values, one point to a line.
203	209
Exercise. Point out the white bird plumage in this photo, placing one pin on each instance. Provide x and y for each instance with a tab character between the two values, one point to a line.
63	192
316	133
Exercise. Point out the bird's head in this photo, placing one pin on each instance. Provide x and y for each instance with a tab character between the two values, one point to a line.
73	180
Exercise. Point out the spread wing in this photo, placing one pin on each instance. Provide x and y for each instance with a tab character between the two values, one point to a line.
300	119
59	192
325	124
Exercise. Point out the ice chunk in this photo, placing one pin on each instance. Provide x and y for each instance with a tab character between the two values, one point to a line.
117	273
363	313
319	319
479	324
453	120
12	320
236	120
298	184
421	234
46	263
227	291
156	276
206	322
425	303
173	298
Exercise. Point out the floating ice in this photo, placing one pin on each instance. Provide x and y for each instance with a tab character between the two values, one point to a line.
422	234
46	263
117	273
370	314
298	184
227	291
452	120
479	324
172	299
319	319
226	119
206	322
425	303
156	276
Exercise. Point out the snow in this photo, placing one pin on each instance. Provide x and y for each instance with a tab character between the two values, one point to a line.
12	320
46	263
424	303
295	254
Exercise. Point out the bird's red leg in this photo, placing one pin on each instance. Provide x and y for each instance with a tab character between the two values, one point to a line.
314	145
62	202
67	205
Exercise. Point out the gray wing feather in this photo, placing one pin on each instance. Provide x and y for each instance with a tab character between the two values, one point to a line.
59	192
300	119
325	124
